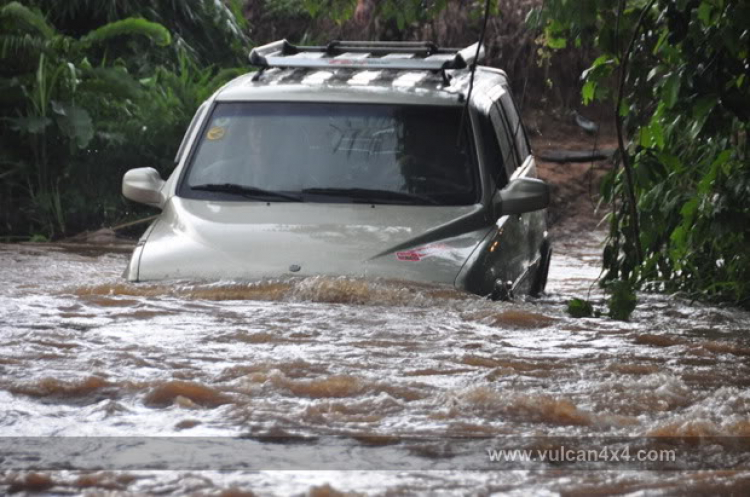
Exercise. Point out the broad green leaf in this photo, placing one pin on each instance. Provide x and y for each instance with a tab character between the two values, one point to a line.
689	209
554	27
704	106
704	13
671	90
312	7
722	159
624	109
599	68
662	38
556	43
601	60
646	140
588	92
696	126
678	248
671	162
657	134
75	122
707	182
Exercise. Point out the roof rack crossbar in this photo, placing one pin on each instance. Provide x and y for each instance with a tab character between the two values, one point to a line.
384	43
383	46
433	58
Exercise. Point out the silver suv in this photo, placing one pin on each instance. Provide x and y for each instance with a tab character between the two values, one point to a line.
365	159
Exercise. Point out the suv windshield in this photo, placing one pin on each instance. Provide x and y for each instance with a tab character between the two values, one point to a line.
328	152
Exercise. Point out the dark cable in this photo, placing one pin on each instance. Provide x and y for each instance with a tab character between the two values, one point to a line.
473	70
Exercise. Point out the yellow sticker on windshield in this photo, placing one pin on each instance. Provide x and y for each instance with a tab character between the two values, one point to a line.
216	133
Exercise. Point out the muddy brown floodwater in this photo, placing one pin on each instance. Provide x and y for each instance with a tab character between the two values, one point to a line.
383	387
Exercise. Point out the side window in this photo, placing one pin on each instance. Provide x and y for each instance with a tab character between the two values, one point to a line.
519	134
492	154
510	159
196	118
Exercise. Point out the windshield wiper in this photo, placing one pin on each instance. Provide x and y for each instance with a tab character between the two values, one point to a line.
244	190
372	195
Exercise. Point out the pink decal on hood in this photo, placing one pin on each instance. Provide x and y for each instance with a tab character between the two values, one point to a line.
420	253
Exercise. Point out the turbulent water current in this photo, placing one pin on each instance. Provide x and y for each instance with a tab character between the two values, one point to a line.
326	385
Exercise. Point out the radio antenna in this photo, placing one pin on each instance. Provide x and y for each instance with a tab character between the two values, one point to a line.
473	70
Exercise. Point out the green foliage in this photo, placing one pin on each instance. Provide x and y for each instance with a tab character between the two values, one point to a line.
403	13
54	105
579	308
74	123
621	303
281	9
622	300
23	16
129	27
80	108
37	238
211	31
338	10
686	109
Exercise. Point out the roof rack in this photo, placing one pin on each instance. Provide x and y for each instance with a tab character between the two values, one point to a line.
418	55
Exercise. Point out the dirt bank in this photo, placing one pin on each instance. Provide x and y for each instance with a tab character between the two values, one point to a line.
575	186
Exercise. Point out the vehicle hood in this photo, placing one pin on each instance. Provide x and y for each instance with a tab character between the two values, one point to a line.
249	240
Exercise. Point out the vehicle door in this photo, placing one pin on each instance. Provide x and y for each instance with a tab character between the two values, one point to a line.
508	252
531	225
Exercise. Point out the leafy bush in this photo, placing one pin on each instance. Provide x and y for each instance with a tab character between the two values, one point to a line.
579	308
681	201
211	31
55	91
79	110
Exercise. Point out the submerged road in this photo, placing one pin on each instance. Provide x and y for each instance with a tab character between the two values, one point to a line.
381	386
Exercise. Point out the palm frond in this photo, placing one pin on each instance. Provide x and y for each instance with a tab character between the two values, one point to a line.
12	44
132	26
20	15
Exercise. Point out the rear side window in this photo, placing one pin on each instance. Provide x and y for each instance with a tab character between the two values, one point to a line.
517	131
507	146
492	153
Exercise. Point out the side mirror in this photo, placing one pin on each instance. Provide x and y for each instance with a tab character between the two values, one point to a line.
521	195
143	185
